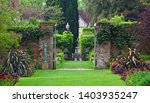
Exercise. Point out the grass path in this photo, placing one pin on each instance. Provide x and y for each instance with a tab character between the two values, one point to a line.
72	78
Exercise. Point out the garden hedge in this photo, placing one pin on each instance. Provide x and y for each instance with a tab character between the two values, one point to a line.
65	41
87	31
86	43
86	40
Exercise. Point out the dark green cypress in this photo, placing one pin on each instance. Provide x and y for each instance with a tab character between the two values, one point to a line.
71	16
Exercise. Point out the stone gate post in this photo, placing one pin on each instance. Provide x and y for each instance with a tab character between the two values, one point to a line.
46	44
102	52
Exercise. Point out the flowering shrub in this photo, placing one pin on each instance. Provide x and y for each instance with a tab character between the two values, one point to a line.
8	79
124	74
127	64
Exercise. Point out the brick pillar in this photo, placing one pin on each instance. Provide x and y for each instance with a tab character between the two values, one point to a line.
48	40
102	55
102	52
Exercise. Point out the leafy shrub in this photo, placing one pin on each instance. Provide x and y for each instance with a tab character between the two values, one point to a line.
86	43
87	31
59	58
91	56
31	32
124	74
29	29
127	62
30	51
115	31
7	16
116	34
34	21
1	65
8	41
138	78
64	41
86	40
24	24
104	33
145	81
8	79
18	62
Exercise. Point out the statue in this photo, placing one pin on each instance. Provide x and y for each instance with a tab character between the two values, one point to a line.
68	27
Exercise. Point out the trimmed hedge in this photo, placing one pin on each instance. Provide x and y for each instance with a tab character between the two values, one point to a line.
64	41
86	43
87	31
86	40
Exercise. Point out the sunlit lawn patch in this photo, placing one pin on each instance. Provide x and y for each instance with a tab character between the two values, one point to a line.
72	78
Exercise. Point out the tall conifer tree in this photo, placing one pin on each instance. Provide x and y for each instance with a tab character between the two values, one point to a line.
70	14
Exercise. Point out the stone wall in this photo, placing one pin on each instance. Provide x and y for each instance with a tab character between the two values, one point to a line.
102	55
114	51
37	47
33	44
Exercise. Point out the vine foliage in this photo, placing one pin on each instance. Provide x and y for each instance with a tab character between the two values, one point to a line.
116	31
31	33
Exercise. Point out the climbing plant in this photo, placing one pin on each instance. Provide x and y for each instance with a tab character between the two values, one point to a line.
31	32
116	31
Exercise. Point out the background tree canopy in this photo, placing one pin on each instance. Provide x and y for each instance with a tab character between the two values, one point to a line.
7	16
70	15
109	8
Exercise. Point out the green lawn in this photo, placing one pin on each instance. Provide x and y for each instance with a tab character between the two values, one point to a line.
146	57
76	64
72	78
